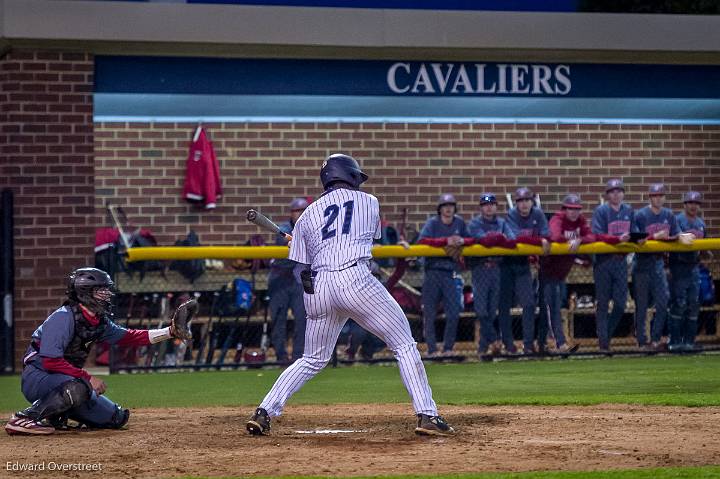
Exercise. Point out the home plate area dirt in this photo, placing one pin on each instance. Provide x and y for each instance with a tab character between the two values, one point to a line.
375	439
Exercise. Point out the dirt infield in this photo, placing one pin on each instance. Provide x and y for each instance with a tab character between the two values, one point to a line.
212	442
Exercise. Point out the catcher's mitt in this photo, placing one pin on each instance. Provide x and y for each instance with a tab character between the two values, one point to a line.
180	323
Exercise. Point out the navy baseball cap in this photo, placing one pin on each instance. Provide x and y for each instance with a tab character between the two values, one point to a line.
656	189
486	198
692	197
523	194
614	184
572	201
298	204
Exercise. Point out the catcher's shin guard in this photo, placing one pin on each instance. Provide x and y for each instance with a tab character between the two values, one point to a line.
114	417
68	395
120	418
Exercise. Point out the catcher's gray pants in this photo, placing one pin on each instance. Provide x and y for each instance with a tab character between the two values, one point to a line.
97	412
355	293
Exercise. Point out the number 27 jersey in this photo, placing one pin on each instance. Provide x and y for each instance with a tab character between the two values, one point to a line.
336	230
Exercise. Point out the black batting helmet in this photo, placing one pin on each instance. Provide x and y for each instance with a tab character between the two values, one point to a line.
83	283
340	167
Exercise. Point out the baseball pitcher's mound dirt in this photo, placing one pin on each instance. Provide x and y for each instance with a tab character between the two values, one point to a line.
379	439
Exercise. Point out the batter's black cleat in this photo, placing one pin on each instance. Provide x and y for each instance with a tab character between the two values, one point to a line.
433	426
259	423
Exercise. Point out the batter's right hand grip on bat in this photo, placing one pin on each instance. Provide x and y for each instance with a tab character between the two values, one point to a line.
307	281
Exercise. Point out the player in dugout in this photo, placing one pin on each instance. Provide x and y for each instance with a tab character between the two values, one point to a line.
53	378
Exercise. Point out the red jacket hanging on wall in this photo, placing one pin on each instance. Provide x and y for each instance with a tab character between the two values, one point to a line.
202	176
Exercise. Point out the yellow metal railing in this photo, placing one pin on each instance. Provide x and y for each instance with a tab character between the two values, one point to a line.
394	251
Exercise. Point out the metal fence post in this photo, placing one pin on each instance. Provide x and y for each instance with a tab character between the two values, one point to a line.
7	326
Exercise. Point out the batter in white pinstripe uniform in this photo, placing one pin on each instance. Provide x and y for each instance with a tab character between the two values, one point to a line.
334	236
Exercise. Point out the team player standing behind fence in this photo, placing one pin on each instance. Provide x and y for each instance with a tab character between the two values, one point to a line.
499	283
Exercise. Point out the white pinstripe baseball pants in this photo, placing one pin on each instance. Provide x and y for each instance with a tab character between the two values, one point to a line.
352	293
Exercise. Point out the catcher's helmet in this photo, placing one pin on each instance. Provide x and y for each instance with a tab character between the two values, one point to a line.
83	283
340	167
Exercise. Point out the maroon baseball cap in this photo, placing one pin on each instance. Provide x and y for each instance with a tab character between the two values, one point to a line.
523	194
656	189
572	201
614	184
692	197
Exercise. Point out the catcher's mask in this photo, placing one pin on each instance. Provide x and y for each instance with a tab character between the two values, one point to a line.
93	288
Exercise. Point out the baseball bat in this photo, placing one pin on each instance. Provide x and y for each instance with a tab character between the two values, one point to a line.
114	216
509	200
205	335
402	283
264	340
264	222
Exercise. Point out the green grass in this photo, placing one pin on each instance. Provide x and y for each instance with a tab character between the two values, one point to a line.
681	381
707	472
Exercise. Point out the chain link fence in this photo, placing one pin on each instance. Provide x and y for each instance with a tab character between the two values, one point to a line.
251	314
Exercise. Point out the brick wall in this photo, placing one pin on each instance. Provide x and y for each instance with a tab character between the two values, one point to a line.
141	166
46	140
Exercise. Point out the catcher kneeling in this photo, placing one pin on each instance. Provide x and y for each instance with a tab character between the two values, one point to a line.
53	379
